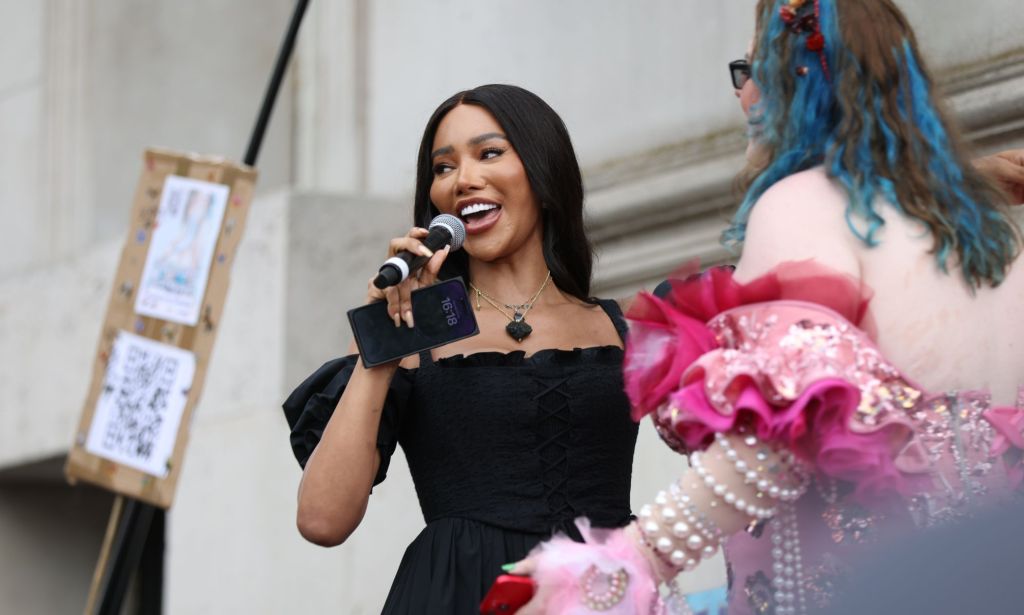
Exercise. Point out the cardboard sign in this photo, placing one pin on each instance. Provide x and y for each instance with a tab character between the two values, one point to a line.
162	319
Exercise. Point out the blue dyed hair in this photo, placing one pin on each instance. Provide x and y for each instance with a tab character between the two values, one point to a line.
873	122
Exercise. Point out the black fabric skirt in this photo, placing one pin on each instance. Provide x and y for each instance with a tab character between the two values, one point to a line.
449	567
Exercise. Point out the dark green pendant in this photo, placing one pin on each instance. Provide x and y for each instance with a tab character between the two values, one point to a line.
517	328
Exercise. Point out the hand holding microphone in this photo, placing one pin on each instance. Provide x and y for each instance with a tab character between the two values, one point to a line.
420	249
444	230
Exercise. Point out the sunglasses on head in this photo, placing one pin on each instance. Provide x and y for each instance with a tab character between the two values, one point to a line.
739	70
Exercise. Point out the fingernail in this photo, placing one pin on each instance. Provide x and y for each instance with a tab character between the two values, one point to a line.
508	567
425	251
398	320
408	318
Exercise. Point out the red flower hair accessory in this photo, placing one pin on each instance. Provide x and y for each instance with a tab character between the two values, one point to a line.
800	21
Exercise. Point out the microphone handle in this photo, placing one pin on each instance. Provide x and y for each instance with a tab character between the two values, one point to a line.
391	273
437	238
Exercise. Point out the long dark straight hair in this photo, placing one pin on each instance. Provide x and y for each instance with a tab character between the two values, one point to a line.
540	138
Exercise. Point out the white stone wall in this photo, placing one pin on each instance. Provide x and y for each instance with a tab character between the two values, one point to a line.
21	145
627	77
86	84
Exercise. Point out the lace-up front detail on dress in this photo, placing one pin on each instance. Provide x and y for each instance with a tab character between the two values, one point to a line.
553	430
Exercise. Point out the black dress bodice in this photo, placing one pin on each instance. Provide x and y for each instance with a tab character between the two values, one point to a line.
503	450
524	443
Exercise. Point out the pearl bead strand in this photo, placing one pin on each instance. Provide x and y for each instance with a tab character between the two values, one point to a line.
675	530
753	477
723	492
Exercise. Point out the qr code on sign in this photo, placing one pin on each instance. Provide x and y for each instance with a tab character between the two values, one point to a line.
144	393
141	402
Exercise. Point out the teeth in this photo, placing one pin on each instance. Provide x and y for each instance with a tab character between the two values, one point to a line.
476	208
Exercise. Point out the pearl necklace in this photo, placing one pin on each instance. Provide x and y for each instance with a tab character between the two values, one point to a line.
787	563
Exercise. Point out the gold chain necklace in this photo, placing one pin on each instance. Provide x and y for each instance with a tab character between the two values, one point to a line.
516	327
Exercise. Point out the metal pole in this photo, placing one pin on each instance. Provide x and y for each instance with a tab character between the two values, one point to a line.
274	85
132	530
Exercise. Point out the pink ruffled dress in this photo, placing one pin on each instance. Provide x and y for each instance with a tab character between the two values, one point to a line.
790	358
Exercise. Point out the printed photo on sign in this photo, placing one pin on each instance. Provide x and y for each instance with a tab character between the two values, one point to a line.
178	262
141	403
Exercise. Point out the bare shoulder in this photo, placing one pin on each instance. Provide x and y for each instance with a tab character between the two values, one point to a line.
806	197
801	217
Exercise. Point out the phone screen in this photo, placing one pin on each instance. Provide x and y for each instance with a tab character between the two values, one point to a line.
442	314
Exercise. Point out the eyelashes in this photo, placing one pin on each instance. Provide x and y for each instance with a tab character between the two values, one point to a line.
491	152
488	153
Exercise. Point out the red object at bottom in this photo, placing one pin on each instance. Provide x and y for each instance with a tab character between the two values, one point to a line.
508	594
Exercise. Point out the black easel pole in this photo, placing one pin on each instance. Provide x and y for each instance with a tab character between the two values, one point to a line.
136	521
132	531
274	85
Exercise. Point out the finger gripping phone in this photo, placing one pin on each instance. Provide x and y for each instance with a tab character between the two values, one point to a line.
442	314
508	594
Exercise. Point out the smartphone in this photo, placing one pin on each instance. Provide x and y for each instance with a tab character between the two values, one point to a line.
508	594
442	314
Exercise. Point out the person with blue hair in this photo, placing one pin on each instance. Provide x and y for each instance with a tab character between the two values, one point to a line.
860	371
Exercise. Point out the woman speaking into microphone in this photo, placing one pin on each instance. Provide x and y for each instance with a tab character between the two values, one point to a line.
510	434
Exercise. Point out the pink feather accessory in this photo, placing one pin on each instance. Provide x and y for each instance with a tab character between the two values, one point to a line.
607	571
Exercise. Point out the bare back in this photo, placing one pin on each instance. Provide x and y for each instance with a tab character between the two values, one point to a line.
931	324
927	322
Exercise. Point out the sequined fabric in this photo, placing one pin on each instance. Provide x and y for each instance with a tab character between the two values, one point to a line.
946	442
940	444
890	457
759	593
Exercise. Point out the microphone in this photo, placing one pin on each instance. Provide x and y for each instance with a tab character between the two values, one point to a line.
445	229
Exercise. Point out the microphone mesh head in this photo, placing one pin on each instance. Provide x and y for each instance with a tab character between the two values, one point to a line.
454	226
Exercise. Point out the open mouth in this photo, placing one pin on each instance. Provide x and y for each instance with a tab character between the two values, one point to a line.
479	215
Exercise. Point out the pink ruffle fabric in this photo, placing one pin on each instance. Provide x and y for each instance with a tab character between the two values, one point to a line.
666	336
561	564
788	355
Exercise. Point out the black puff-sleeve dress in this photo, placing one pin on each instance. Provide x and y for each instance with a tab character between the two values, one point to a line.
503	450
